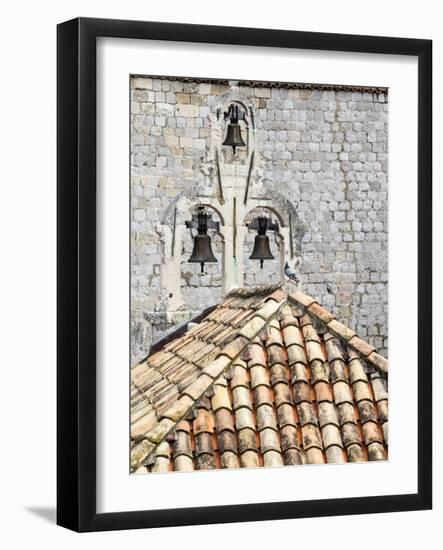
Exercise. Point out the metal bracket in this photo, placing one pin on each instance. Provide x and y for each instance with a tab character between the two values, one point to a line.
234	113
210	223
270	225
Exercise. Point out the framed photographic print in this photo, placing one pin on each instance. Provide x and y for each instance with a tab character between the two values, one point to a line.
244	274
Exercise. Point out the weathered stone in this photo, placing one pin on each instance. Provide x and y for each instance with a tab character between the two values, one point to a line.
324	150
183	110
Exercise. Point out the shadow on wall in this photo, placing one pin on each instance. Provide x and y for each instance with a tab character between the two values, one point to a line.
48	514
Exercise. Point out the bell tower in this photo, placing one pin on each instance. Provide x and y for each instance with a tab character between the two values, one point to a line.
232	198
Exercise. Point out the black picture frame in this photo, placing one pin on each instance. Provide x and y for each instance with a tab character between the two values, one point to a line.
76	294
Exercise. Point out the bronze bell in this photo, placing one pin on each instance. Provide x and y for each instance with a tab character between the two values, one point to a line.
233	135
261	249
202	251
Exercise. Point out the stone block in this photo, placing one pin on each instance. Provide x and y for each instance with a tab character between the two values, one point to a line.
262	92
182	98
141	83
186	142
139	215
185	110
204	88
199	144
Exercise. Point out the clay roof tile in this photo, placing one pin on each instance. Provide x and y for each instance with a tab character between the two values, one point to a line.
247	440
266	379
244	419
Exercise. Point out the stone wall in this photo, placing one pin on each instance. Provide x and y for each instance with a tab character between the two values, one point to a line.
327	150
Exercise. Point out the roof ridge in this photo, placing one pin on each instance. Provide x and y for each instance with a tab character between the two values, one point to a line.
208	377
264	290
350	337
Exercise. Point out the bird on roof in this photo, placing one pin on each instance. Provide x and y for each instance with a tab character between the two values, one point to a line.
291	274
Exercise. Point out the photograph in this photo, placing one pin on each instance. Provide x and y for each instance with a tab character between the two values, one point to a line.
224	220
258	242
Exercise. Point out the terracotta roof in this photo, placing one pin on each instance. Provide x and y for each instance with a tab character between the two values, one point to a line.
269	378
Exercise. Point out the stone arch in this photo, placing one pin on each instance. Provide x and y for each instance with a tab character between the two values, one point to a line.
205	204
189	193
219	125
282	222
287	214
235	96
253	274
200	290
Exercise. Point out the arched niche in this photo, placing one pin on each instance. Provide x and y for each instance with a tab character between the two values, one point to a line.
242	153
253	274
200	290
219	126
285	210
